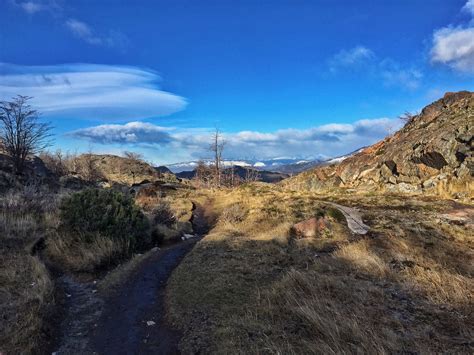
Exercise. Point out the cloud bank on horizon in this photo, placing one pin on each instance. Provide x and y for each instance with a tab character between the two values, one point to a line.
327	140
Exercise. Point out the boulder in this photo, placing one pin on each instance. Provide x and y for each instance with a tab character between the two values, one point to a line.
310	228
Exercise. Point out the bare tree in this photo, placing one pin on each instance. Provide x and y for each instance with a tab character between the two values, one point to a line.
204	174
251	175
407	117
217	147
133	156
56	161
87	167
21	132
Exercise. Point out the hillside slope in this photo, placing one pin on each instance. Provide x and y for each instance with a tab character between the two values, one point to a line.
115	169
431	154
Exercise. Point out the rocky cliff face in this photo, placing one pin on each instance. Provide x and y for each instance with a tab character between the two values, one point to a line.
432	154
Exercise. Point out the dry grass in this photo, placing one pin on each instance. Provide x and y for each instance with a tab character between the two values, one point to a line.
26	289
405	287
76	255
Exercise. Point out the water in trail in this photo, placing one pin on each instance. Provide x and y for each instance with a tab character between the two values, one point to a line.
130	320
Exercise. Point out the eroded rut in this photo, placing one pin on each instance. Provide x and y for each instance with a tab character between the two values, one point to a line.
130	320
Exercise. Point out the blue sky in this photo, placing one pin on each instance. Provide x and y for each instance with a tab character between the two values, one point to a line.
280	78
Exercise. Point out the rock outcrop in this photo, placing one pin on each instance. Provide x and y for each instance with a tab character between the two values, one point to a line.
432	153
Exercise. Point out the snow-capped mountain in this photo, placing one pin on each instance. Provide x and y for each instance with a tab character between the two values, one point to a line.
273	164
285	165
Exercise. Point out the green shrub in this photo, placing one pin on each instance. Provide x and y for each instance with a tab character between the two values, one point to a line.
106	212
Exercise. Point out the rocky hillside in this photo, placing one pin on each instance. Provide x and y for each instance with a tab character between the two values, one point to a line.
115	169
433	154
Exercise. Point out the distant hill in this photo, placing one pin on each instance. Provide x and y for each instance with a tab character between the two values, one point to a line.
163	170
243	172
431	154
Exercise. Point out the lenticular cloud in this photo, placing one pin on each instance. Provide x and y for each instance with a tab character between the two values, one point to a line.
90	91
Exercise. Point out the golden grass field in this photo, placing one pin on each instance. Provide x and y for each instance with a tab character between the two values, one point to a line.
250	287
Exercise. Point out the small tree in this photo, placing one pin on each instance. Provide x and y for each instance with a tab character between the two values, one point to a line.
407	117
204	174
21	132
251	175
133	156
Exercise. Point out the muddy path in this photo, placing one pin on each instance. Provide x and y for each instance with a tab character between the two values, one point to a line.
132	318
133	321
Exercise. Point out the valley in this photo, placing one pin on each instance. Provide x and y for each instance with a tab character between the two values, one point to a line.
371	253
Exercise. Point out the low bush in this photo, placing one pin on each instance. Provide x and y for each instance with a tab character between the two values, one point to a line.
107	213
162	214
233	214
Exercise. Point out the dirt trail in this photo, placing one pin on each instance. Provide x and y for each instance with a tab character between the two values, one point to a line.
131	320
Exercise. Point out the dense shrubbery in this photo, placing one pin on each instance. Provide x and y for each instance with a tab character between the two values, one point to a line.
107	213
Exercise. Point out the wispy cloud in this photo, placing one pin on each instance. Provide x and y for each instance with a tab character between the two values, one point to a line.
388	71
79	28
351	58
454	45
82	30
90	91
32	7
85	32
393	74
325	140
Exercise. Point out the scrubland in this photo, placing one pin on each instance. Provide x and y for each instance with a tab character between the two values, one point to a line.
39	243
251	286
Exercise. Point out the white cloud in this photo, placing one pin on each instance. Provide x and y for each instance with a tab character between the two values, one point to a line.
469	7
90	91
325	140
130	133
349	58
454	45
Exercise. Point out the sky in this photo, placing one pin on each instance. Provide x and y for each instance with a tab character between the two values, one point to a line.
280	78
